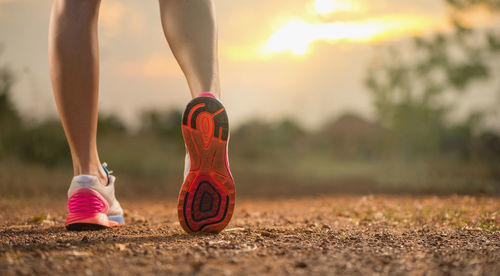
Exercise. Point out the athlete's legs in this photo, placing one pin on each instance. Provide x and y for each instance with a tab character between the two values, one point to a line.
74	69
207	195
189	26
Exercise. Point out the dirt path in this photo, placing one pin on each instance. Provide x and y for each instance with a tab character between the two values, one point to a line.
341	235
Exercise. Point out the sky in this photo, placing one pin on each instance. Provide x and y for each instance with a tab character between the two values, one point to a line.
304	59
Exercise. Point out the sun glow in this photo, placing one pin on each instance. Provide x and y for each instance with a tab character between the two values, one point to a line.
297	35
329	6
324	6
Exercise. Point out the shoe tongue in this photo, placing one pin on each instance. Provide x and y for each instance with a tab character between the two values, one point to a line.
84	178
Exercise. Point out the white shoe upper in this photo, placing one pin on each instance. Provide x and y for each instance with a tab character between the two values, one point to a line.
187	164
107	192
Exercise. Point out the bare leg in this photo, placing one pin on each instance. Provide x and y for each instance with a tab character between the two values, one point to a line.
74	68
191	32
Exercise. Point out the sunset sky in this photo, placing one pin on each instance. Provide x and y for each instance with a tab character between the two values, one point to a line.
283	58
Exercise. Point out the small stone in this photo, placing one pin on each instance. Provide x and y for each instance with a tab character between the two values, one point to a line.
197	265
266	234
120	246
300	264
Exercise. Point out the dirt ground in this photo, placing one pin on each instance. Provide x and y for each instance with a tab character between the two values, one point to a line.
317	235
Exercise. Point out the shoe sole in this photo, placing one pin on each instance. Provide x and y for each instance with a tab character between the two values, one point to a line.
95	222
85	227
88	211
207	196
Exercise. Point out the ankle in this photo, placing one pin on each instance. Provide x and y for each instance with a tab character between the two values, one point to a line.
95	170
207	93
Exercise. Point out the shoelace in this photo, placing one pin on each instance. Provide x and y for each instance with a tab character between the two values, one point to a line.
108	172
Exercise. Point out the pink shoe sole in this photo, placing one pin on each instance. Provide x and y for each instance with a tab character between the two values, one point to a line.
88	211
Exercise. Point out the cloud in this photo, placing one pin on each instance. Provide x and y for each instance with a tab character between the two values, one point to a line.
117	17
158	65
297	34
5	2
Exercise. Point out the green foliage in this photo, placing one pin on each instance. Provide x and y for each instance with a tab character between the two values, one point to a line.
9	119
44	143
165	125
8	114
110	124
463	4
256	138
489	147
412	88
350	137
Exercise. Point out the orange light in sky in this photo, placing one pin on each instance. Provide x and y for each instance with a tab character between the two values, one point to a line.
297	35
329	6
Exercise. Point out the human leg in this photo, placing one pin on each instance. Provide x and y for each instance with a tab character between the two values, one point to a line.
74	70
207	197
191	31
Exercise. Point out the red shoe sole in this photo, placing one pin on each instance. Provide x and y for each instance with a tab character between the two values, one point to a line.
206	199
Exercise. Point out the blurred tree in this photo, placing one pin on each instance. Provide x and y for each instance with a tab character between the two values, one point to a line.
110	124
286	133
8	114
256	139
351	137
464	4
43	142
9	118
412	89
165	125
249	140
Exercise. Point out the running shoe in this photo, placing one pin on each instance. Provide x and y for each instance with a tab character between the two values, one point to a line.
91	205
206	199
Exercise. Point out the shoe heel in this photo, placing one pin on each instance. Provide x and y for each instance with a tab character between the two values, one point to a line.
207	197
87	210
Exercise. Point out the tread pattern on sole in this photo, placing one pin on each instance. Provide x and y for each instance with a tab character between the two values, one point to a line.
207	196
